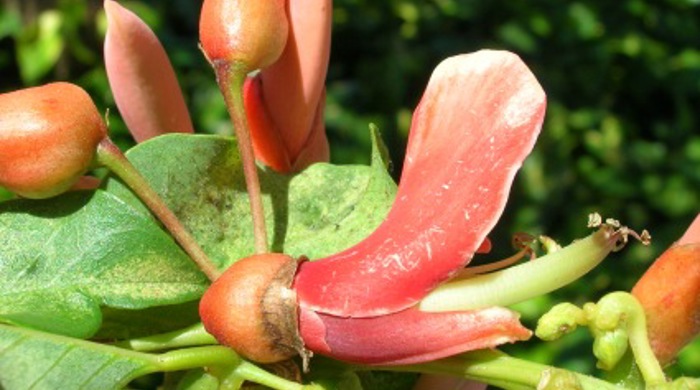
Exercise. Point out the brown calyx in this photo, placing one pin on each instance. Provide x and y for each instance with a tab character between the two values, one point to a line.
252	309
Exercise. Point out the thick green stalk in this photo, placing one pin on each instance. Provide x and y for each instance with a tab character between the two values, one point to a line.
501	370
628	309
256	374
527	280
225	364
230	77
109	155
185	359
191	336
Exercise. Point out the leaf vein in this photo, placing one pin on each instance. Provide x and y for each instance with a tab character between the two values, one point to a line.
36	383
95	374
13	345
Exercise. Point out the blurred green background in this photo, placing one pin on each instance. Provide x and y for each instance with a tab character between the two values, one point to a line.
622	134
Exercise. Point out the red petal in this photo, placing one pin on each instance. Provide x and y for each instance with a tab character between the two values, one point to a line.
267	141
141	77
485	247
476	123
293	85
316	148
409	336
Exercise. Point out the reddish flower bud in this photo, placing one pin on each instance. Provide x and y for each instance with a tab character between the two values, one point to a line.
141	77
48	138
670	293
252	32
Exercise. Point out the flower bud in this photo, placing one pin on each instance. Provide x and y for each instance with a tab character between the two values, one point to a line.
669	291
48	138
141	77
249	31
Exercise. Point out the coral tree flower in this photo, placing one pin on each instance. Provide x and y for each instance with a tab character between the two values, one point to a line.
285	101
141	77
477	121
670	293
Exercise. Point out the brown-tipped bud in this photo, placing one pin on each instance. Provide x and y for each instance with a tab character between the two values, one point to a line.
48	138
252	32
252	309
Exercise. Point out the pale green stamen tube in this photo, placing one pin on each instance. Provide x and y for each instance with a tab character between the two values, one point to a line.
527	280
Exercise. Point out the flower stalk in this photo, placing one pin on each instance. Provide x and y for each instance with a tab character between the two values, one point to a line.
498	369
109	155
231	77
194	335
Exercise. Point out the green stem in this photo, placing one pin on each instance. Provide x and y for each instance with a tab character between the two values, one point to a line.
109	155
230	380
501	370
188	337
256	374
230	77
189	358
527	280
225	364
628	306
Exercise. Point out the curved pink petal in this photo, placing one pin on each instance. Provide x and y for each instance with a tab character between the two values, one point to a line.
292	89
141	77
475	124
409	336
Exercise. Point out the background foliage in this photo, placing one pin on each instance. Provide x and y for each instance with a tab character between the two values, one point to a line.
621	135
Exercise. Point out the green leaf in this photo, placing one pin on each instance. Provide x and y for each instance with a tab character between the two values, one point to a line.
122	324
36	360
5	194
63	258
317	212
